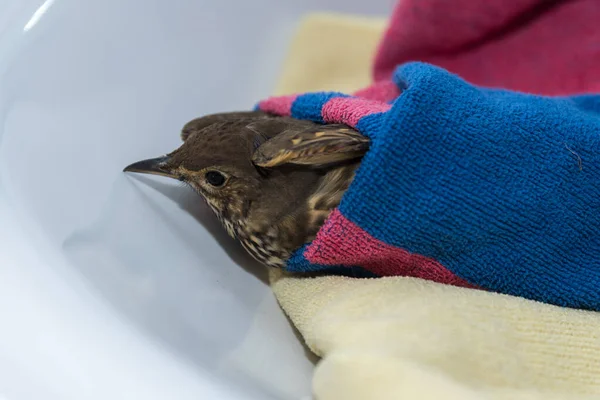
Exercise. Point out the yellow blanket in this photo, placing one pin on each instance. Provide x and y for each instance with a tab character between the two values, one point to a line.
404	338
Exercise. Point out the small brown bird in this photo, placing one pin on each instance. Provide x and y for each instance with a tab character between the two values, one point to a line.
272	181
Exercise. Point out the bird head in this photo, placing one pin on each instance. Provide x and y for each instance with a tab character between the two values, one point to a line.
252	160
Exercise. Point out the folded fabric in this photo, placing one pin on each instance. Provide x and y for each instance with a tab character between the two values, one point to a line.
405	338
469	186
396	337
539	46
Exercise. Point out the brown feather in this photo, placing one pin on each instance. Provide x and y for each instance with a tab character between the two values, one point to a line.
272	213
312	145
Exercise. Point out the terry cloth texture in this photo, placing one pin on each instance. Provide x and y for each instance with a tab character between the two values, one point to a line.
406	338
465	185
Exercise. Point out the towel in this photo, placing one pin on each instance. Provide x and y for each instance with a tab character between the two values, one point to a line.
396	337
465	185
538	46
406	338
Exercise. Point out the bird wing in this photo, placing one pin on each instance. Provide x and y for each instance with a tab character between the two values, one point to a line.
313	145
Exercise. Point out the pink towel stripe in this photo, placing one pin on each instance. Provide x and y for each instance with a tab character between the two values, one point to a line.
482	39
349	110
382	91
341	242
280	105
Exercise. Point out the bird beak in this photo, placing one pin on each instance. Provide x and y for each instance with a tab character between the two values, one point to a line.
153	166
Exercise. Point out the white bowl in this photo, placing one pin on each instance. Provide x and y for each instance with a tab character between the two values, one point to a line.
115	286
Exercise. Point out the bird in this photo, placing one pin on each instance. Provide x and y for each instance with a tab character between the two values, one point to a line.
271	180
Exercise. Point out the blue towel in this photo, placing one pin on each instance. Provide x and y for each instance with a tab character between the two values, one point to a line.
465	185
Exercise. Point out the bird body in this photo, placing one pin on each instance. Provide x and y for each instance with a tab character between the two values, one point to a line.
271	181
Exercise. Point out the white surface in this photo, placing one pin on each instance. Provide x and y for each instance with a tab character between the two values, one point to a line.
120	287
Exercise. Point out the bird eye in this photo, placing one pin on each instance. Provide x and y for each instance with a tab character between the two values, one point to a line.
215	178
